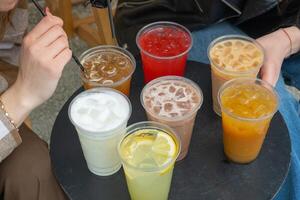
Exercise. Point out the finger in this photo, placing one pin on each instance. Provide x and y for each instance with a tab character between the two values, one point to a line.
51	35
44	25
268	77
63	58
57	46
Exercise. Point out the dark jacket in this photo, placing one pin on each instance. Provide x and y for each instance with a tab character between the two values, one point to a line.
255	17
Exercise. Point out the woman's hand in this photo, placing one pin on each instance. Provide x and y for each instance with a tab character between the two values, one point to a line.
45	52
277	47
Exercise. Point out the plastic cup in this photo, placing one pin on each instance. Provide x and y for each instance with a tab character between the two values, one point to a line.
248	105
241	62
164	48
100	125
113	76
182	124
146	181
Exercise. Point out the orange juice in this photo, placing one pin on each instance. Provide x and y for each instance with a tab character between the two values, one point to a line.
248	106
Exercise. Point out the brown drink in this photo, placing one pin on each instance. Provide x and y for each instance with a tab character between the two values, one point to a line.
173	101
232	57
108	66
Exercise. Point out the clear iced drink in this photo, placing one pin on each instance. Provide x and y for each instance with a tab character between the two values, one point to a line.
100	117
233	56
108	66
248	106
148	153
173	101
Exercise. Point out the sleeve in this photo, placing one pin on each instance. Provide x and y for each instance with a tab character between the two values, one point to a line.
9	137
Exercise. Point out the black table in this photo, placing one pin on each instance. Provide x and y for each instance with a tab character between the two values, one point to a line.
204	174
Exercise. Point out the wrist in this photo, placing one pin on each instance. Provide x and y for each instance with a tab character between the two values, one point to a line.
284	43
293	34
16	105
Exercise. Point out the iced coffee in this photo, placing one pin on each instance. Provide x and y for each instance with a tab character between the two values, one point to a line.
173	101
232	57
108	66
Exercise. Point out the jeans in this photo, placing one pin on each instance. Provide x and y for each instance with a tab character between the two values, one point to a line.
289	107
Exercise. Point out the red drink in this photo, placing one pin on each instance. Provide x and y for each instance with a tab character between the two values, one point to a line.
164	49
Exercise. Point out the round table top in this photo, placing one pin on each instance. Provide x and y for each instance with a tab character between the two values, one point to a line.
203	174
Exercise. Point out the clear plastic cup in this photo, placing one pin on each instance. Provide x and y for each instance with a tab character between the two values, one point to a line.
100	117
113	75
164	48
248	105
182	124
148	180
237	67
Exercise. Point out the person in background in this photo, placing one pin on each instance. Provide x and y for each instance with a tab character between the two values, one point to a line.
275	24
25	167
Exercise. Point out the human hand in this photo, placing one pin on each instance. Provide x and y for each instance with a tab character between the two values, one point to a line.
45	51
277	47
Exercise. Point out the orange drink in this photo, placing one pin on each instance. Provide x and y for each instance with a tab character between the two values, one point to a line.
233	56
108	66
248	106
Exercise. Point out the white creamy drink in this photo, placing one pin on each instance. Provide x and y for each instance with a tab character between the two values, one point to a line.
100	117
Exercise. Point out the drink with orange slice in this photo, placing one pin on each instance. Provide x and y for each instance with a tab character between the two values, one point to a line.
148	153
248	106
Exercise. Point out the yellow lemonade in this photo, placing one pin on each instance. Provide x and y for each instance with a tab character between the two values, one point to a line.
148	156
247	109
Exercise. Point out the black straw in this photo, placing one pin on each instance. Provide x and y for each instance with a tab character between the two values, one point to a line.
111	21
38	6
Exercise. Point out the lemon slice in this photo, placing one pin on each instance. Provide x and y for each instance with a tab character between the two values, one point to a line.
149	148
164	148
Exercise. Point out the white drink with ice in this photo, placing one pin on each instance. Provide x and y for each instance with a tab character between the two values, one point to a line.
100	117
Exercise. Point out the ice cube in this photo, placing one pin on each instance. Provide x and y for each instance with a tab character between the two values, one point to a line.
173	114
148	103
228	44
239	44
180	93
226	51
184	104
122	62
172	89
216	61
188	91
249	47
161	94
102	116
107	82
109	70
82	111
91	101
95	76
86	119
94	113
157	109
168	107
